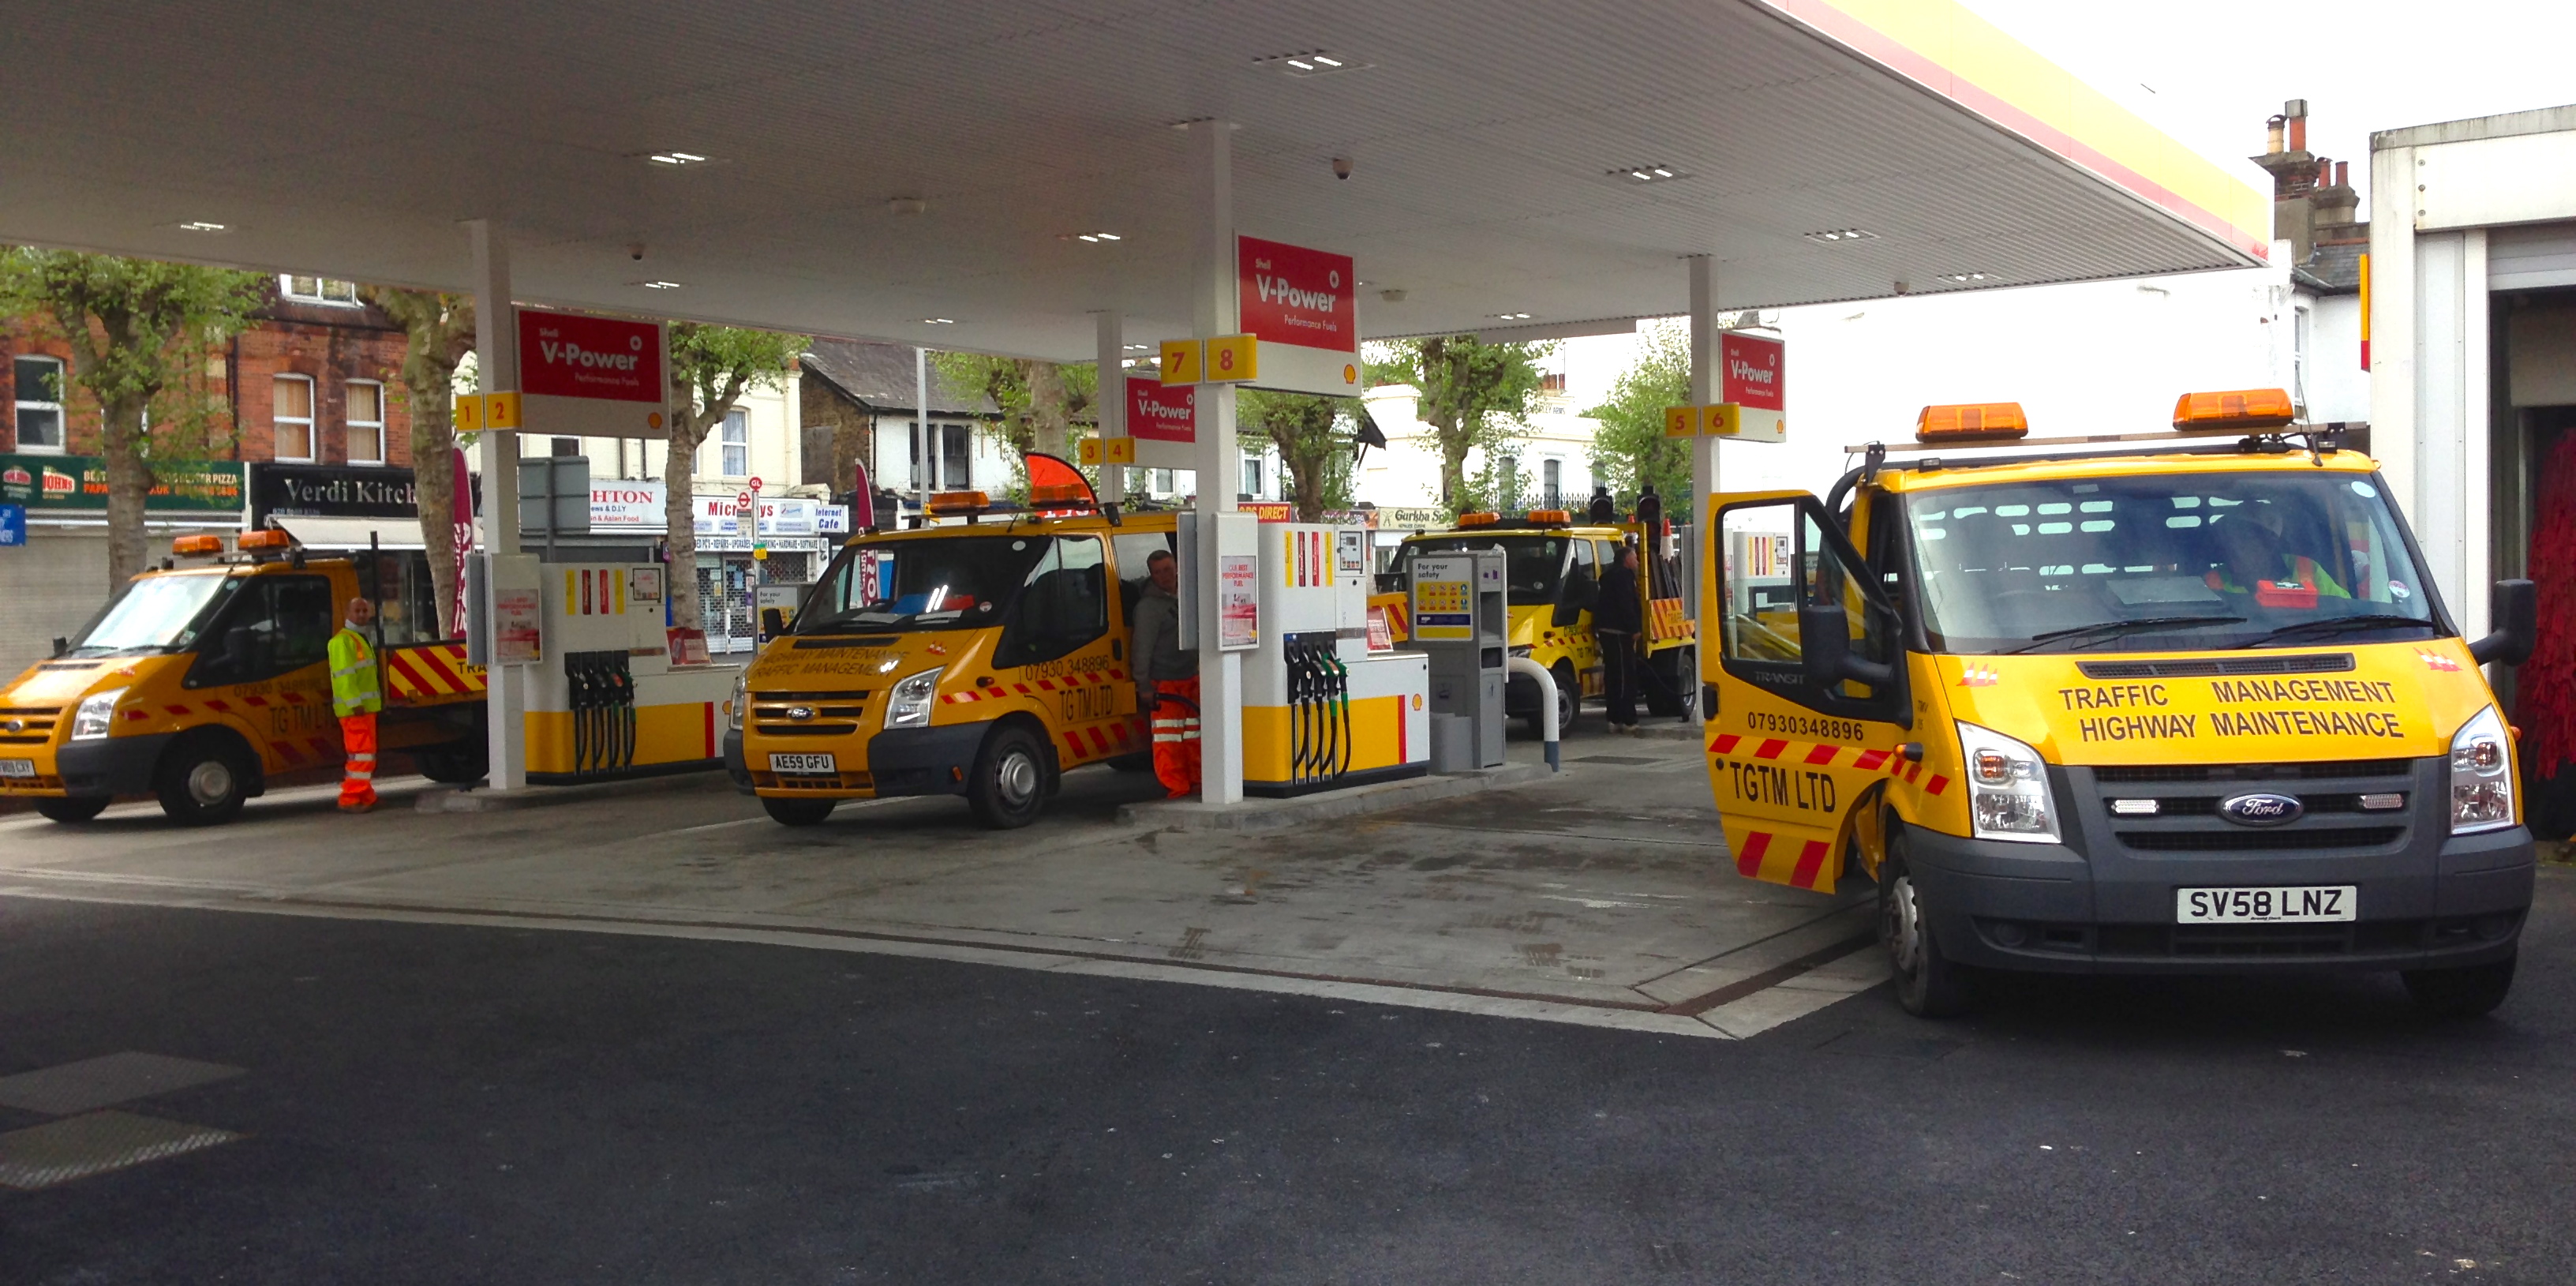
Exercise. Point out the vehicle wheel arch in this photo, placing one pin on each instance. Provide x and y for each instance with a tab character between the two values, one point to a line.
1037	727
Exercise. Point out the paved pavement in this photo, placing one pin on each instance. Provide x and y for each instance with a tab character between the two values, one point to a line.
1601	895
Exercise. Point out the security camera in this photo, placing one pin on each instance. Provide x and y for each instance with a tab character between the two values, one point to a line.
1341	167
636	252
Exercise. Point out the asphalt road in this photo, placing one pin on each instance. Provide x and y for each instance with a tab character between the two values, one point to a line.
431	1103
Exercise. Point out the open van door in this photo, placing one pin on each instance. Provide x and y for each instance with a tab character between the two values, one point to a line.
1808	672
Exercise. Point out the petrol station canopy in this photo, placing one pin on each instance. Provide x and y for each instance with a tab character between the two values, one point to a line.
867	168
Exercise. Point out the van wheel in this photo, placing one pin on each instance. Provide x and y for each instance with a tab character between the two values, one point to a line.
798	812
203	780
2460	993
72	809
1009	784
1928	985
458	763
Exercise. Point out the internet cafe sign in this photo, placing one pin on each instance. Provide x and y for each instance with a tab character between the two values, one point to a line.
1300	304
584	376
77	485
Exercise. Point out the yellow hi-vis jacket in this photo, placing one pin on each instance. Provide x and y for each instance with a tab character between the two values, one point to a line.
353	675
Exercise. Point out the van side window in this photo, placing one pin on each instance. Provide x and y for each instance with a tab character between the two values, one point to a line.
275	625
1776	553
1132	549
1063	606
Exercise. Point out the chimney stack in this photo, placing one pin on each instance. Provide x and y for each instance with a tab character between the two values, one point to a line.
2297	176
2296	112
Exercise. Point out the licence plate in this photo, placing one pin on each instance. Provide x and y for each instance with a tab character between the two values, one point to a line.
17	767
803	763
2295	904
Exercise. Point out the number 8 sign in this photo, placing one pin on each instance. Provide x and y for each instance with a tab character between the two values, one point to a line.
1233	359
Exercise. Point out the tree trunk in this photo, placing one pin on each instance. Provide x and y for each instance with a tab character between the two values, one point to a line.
129	482
433	487
1049	416
680	522
1453	462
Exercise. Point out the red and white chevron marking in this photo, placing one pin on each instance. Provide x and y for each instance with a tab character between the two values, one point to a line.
1035	687
1815	754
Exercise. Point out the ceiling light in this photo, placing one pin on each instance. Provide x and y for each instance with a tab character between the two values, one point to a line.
1647	173
659	285
906	205
1096	236
1309	62
676	158
938	321
204	225
1833	236
1140	348
1509	316
1963	278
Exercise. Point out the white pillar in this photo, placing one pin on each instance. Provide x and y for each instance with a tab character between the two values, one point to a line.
925	453
1704	478
2477	432
1109	349
1214	312
496	364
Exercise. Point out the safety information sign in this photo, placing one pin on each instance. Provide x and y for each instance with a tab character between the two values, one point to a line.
1444	599
517	629
1238	602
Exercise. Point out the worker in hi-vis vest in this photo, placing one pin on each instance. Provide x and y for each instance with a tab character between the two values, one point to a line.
356	697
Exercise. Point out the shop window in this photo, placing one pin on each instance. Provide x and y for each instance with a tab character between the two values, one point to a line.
366	422
292	404
318	290
40	403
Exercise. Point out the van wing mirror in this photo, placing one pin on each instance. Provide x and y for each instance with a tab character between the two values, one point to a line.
1824	648
2515	612
773	622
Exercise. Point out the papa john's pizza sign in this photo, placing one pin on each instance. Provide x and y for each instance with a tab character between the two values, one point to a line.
1302	305
590	376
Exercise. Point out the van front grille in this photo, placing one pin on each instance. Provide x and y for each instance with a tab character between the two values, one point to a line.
2243	841
2332	768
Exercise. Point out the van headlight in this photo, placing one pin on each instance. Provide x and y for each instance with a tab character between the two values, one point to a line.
741	699
909	705
96	715
2481	775
2007	788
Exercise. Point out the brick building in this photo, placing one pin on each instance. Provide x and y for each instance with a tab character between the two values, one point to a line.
314	379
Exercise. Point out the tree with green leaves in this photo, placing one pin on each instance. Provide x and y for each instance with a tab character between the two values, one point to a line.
1315	440
1630	451
1040	402
439	332
712	367
138	330
1475	395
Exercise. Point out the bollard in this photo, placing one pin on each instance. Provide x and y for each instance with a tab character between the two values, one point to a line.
1546	702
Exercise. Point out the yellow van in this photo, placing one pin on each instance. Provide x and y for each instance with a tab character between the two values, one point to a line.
984	657
1553	567
2184	709
211	674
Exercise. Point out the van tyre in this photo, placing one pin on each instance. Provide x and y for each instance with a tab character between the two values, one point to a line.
798	812
71	810
1928	983
203	779
1009	784
2472	992
458	763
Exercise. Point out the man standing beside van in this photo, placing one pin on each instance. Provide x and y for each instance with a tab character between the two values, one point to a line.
355	698
1167	678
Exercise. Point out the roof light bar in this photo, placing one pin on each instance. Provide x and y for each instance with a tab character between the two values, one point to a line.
1972	422
2244	408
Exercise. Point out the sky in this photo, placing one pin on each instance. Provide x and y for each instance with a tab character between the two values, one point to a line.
2208	72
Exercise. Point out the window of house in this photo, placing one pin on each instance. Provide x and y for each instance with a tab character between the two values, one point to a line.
565	446
318	290
1551	484
293	415
956	457
1252	476
730	445
40	403
366	422
1161	483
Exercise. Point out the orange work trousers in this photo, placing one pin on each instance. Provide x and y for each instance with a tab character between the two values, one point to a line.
1176	736
358	738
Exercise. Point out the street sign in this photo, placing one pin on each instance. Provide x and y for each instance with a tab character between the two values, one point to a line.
755	486
13	525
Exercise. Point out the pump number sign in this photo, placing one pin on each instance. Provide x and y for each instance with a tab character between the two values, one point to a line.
1444	599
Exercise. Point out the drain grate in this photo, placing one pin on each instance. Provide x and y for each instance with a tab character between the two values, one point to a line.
61	1151
1627	760
97	1082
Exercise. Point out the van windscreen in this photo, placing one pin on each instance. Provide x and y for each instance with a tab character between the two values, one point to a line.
2165	562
